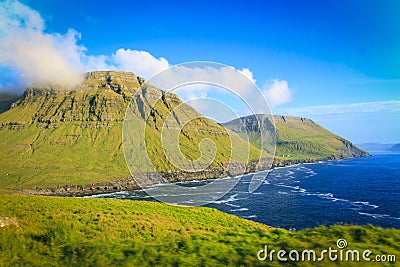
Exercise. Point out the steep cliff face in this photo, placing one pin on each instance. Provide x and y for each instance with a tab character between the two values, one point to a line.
6	100
55	136
258	129
296	138
102	96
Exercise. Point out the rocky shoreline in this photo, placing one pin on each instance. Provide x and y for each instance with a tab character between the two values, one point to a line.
129	183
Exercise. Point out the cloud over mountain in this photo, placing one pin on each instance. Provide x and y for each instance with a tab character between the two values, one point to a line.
29	54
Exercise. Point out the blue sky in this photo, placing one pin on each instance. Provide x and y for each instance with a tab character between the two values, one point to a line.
330	53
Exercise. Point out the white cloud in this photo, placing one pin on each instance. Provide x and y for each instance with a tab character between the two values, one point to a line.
38	56
246	72
144	64
233	88
364	107
277	92
206	76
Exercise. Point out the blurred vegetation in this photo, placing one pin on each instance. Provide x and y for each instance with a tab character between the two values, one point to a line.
54	231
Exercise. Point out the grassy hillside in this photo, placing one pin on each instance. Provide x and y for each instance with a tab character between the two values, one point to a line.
50	231
56	136
296	138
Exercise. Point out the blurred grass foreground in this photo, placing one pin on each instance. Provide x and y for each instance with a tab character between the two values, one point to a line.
54	231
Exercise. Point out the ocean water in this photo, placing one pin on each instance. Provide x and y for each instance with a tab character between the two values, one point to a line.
352	191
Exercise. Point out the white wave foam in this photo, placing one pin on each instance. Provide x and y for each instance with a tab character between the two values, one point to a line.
357	205
100	195
366	203
289	186
375	216
379	216
241	209
249	217
230	199
326	195
232	205
334	199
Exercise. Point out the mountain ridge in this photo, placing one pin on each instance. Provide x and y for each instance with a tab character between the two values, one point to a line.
395	148
54	136
68	142
7	99
380	147
296	137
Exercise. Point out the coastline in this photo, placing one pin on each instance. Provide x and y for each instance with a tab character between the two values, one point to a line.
129	183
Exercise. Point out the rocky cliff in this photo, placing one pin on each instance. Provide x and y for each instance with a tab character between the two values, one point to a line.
296	138
68	141
6	100
56	136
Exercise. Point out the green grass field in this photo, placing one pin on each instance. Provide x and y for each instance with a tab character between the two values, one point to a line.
55	231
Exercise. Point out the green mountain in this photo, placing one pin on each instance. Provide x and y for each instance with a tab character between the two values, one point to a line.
6	100
57	136
375	147
296	138
379	147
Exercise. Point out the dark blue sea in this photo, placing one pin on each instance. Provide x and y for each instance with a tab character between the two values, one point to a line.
352	191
